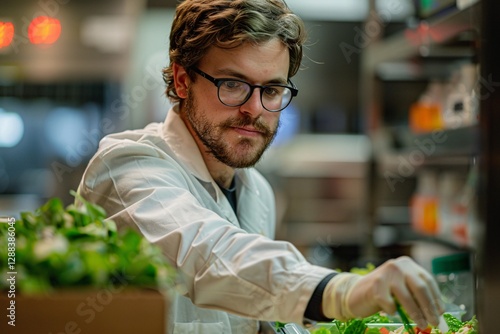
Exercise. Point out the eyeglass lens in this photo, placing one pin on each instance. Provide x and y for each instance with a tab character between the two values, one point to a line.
273	98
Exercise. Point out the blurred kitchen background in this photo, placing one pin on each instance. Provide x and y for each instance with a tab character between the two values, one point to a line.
379	155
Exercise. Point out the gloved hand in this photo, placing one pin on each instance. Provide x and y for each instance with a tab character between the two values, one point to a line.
349	296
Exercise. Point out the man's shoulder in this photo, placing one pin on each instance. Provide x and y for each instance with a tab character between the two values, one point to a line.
132	150
149	135
144	142
149	131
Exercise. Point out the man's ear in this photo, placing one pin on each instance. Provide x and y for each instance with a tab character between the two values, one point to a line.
181	80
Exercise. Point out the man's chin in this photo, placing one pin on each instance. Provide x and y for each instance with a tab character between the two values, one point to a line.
242	160
243	154
242	163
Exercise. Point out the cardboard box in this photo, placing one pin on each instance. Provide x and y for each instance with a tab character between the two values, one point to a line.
107	310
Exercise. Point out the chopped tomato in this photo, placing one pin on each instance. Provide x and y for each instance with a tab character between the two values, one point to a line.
384	330
428	330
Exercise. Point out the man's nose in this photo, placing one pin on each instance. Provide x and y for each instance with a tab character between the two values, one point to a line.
253	105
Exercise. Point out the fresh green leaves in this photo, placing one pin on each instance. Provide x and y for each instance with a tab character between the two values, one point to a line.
473	325
76	246
455	325
377	318
279	325
356	326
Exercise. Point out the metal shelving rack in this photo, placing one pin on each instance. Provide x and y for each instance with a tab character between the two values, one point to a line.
415	53
427	51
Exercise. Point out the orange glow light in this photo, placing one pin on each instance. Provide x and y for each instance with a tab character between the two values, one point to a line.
44	30
6	33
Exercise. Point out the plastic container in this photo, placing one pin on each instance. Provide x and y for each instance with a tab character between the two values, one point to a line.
424	204
426	113
456	283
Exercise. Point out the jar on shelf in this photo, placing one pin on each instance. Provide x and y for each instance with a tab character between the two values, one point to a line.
456	282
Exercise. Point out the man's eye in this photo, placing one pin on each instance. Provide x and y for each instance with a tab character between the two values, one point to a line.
232	85
273	91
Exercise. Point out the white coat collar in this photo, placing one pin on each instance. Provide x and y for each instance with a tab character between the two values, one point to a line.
180	140
184	146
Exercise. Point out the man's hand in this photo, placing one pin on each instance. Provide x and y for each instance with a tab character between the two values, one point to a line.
350	296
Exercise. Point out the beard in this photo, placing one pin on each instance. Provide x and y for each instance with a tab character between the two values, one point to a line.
243	153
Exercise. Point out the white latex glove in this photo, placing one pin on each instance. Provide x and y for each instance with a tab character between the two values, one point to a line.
349	296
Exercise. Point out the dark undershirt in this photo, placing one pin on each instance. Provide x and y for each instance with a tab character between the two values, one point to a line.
231	195
314	309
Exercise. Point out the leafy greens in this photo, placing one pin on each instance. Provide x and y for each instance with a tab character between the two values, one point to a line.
76	246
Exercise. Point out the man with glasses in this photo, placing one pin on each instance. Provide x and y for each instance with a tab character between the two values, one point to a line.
187	184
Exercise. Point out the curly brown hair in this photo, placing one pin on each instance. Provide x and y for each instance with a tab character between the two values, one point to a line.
200	24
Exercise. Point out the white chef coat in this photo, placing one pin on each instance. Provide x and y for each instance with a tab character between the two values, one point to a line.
155	180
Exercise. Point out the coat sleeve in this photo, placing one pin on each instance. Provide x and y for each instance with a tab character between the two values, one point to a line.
222	266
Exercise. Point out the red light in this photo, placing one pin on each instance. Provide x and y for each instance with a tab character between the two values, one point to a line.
44	30
6	33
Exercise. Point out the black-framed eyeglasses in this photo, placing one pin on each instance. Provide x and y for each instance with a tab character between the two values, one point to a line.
234	92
